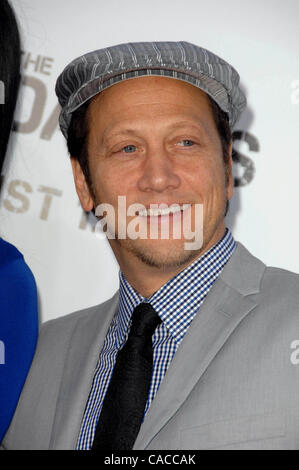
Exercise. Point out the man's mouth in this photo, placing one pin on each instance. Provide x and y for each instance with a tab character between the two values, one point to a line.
155	212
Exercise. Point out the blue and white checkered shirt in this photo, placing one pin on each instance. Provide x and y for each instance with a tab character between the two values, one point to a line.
176	302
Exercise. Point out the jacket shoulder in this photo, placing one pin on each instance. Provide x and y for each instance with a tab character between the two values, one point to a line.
55	336
282	284
66	323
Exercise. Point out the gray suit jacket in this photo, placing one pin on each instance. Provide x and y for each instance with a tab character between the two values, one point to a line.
231	384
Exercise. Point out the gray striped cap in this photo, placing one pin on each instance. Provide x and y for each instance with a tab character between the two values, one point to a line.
95	71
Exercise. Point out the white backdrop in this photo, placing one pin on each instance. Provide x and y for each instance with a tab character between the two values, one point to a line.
39	210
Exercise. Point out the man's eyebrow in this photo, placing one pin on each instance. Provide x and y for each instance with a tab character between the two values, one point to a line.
196	124
132	131
118	132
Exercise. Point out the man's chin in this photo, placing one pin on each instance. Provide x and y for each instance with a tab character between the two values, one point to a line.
162	254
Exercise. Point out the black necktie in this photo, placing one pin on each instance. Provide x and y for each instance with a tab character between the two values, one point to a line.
126	397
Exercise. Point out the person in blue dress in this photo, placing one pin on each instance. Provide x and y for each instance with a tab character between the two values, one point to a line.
18	293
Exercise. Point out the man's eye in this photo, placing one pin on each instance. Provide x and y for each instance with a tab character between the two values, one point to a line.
186	143
129	148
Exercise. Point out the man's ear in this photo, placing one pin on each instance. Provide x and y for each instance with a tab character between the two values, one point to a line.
229	172
81	186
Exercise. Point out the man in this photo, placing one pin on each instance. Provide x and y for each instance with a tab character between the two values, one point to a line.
195	350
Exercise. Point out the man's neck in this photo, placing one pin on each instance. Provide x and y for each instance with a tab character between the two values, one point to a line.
146	279
150	279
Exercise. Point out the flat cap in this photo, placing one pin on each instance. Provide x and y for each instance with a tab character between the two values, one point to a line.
95	71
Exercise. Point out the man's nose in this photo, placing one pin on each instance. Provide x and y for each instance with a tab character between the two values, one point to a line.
158	172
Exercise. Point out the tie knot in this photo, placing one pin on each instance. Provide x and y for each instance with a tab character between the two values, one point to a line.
144	320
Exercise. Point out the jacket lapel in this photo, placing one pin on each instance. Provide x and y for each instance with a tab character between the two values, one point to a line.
85	346
228	302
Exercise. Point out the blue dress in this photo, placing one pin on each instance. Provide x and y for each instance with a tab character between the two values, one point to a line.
18	328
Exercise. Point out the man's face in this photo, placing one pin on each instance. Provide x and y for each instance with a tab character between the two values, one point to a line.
154	140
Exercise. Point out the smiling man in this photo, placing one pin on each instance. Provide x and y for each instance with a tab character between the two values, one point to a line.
193	351
155	141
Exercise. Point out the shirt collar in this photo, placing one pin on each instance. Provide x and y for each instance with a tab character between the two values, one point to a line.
180	298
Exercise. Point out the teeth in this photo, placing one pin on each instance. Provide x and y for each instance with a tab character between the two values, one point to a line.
169	210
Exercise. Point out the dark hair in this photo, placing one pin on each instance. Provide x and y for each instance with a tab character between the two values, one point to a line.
222	123
10	58
77	139
78	132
